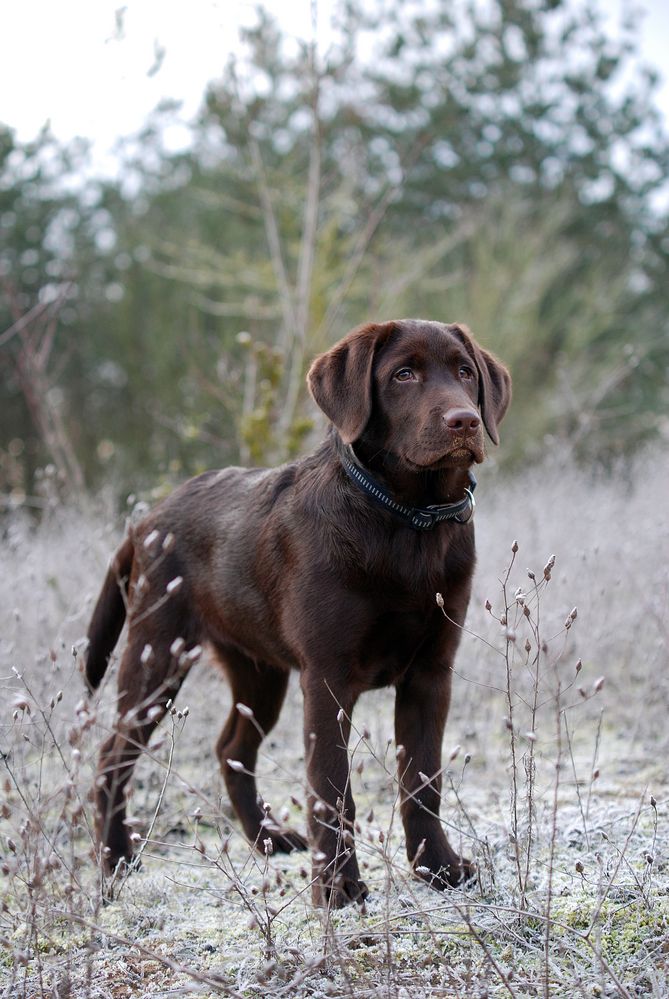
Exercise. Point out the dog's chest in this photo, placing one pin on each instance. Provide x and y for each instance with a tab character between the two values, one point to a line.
392	642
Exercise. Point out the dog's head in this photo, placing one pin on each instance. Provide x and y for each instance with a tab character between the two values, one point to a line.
420	390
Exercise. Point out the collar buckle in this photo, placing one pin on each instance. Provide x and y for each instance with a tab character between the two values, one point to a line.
465	517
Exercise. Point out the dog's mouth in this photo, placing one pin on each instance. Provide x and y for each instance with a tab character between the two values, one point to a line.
460	455
465	455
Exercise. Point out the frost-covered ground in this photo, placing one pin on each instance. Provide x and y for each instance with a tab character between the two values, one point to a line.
572	851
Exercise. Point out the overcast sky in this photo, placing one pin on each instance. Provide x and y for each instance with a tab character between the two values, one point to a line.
67	62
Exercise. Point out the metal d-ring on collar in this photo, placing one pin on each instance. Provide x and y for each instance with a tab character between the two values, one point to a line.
421	518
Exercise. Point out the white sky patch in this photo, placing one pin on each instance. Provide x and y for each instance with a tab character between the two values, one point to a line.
97	68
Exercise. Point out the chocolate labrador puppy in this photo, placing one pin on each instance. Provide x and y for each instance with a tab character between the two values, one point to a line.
329	564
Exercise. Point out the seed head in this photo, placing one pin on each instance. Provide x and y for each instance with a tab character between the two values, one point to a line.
573	614
150	540
21	703
177	647
548	568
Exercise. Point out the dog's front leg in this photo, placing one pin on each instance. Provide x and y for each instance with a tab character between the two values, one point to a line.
327	724
421	708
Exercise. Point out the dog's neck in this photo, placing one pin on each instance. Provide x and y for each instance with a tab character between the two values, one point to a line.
446	485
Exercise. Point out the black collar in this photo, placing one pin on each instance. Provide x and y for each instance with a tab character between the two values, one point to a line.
420	518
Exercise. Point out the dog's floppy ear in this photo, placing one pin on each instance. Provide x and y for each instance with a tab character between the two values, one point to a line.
340	380
494	382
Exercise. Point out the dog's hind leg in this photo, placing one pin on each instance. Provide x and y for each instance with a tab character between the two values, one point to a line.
157	657
258	692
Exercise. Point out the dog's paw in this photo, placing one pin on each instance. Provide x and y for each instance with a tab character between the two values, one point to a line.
338	893
115	871
452	874
287	841
116	863
281	840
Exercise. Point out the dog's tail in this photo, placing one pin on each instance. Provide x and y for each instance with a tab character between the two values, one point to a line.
109	614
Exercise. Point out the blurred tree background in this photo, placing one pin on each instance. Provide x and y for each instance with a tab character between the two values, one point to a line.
504	167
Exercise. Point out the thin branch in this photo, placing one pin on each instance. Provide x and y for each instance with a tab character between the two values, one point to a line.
306	260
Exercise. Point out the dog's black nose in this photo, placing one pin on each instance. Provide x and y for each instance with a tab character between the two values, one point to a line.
463	421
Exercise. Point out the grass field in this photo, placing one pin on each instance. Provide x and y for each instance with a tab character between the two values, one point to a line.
556	783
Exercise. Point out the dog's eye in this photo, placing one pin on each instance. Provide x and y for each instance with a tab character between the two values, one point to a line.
404	375
466	371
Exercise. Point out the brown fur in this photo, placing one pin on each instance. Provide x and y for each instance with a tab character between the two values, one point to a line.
295	567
